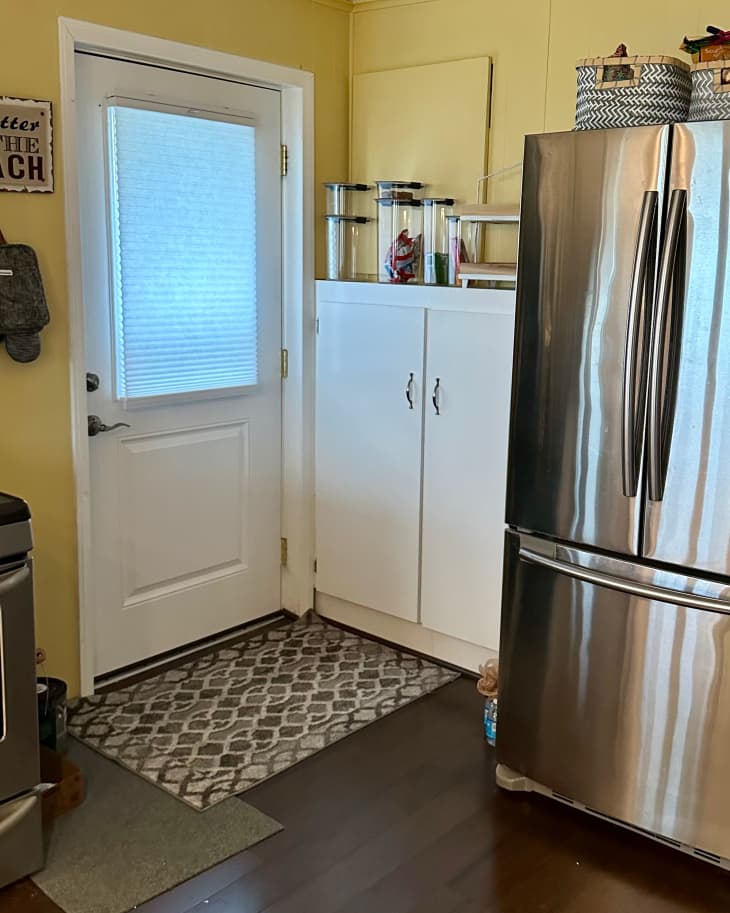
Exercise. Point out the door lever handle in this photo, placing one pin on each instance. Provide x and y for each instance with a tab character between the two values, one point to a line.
96	426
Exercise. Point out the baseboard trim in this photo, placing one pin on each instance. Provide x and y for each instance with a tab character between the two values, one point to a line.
406	635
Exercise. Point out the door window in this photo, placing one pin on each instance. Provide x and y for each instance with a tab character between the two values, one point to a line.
182	191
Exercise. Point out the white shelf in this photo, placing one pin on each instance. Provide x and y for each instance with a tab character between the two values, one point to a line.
493	272
489	212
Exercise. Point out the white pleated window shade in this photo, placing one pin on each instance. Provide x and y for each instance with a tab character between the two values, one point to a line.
183	225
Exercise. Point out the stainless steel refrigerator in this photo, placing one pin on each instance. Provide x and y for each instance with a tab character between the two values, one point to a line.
615	649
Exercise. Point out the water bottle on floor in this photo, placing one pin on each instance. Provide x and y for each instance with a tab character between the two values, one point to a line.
487	686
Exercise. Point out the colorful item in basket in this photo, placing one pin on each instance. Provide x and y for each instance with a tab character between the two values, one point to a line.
402	258
621	71
713	46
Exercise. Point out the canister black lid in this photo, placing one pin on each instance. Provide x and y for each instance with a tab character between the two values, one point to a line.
361	220
389	201
339	185
438	201
402	185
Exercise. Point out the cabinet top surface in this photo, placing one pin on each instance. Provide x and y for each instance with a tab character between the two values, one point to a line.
433	297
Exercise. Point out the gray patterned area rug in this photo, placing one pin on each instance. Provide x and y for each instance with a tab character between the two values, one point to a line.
224	722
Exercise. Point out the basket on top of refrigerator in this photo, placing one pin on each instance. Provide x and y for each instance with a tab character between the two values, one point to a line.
624	91
710	74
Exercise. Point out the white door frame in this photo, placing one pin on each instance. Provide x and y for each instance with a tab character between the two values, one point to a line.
297	97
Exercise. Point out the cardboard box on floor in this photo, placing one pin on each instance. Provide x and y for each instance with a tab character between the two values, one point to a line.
69	789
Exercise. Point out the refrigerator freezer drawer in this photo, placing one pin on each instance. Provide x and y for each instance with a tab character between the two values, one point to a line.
615	699
21	838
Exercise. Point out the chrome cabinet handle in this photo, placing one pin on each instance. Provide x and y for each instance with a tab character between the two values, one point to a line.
662	365
96	426
436	398
409	391
642	290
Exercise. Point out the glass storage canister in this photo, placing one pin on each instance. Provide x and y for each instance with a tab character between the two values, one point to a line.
343	247
398	190
400	240
345	199
436	240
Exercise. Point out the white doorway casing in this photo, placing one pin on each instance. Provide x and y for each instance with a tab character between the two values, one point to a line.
297	90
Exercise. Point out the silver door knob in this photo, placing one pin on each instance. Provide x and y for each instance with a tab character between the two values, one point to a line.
96	426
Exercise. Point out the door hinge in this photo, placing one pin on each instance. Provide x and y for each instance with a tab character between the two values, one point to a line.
285	362
284	160
284	551
315	565
316	326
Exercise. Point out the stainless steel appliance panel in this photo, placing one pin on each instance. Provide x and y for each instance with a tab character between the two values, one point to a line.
616	699
19	752
690	525
21	839
590	206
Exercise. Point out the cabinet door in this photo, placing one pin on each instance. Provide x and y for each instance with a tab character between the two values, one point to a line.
465	464
368	453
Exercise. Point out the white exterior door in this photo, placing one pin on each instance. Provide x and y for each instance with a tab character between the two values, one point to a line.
368	477
181	243
468	368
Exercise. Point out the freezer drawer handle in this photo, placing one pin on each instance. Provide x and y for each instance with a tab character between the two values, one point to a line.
664	365
661	594
20	810
642	289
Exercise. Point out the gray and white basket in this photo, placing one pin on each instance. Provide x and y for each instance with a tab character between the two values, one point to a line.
657	92
710	90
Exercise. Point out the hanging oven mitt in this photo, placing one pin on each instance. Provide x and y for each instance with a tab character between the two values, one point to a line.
23	308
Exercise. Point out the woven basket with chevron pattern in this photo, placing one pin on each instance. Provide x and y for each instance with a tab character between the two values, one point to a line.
657	91
710	91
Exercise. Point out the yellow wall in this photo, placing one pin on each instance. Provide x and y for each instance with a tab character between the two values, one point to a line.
35	454
534	46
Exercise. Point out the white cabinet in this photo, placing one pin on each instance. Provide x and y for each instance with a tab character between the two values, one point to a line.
469	356
410	503
368	454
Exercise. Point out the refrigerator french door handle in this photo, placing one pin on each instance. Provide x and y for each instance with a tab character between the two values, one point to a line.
667	271
633	406
633	587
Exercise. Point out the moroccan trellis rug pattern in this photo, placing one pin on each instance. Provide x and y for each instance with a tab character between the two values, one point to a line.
226	721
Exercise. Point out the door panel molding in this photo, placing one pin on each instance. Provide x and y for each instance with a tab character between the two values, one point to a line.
297	89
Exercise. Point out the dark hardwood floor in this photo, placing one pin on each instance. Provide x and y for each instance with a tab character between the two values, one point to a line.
404	817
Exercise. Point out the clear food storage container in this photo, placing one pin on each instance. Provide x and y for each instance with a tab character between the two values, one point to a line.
398	190
400	240
344	199
344	253
436	240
